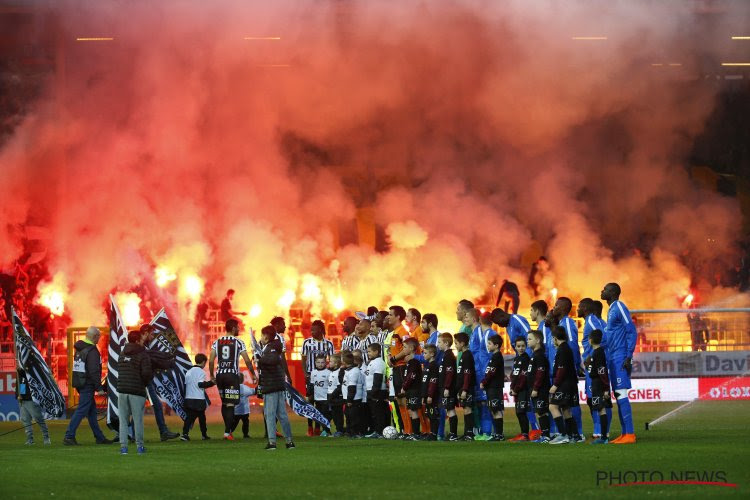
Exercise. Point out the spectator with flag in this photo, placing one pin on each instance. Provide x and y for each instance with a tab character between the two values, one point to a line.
135	374
87	376
272	387
30	411
38	395
159	361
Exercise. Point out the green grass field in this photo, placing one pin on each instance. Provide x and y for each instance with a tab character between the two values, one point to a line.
708	436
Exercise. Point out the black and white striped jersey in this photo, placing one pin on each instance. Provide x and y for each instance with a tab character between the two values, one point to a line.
228	350
363	344
312	347
350	343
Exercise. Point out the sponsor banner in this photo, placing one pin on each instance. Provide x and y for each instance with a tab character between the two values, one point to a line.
724	388
8	383
9	409
643	391
690	364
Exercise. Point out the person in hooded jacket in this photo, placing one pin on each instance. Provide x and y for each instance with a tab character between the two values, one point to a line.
87	380
135	374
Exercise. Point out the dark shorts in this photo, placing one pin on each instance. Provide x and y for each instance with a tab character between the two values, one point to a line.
495	400
413	403
522	401
229	387
540	404
398	378
598	402
432	411
466	403
564	399
448	403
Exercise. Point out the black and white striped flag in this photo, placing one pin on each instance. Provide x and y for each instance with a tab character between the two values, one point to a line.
43	386
170	384
294	399
118	337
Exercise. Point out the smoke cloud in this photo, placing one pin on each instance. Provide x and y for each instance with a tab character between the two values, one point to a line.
477	135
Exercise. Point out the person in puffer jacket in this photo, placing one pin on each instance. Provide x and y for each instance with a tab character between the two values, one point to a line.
272	386
135	374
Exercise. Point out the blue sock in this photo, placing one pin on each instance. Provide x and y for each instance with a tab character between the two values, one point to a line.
533	425
488	423
597	422
441	424
552	425
576	411
627	416
619	415
609	419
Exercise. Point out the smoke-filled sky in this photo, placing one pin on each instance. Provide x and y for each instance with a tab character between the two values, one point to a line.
478	134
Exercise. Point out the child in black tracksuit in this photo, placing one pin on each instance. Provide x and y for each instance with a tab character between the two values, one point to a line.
492	384
411	388
465	383
430	395
599	375
519	387
447	383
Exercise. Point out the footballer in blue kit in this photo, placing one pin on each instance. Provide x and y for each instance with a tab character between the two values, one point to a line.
587	311
620	334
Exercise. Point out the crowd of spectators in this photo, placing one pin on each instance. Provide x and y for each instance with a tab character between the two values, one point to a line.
20	286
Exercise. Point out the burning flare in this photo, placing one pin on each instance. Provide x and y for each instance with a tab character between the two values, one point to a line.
129	304
191	287
52	295
164	276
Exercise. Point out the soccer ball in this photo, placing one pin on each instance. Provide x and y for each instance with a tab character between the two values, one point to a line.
390	432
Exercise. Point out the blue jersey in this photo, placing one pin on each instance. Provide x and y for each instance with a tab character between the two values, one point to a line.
478	347
549	346
431	340
517	327
620	332
572	331
592	323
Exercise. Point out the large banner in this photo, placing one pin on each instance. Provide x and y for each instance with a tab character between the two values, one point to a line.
118	337
42	384
170	384
681	364
724	388
690	364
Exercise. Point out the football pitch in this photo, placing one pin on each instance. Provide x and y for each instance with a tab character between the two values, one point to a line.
707	442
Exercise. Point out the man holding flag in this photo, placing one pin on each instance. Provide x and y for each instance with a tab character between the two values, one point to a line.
87	376
38	395
272	386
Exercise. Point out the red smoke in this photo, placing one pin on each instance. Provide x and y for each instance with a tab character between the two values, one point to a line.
479	135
